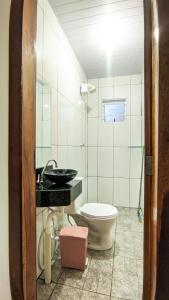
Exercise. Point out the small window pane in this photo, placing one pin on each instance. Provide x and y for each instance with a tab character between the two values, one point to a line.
114	110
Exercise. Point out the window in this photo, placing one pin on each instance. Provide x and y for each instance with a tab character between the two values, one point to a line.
114	110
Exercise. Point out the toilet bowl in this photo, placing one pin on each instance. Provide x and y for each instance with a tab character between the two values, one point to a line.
99	218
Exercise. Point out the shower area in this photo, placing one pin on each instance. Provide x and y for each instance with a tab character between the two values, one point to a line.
115	145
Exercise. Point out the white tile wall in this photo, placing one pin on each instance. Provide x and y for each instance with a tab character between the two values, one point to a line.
105	162
123	91
121	192
58	66
105	190
135	162
92	131
109	81
92	161
122	133
114	153
121	80
105	133
136	99
134	192
93	105
136	130
121	162
92	189
105	93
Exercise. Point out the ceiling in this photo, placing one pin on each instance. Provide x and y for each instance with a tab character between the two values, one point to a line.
106	35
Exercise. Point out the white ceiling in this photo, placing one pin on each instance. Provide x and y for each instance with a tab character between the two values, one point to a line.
106	35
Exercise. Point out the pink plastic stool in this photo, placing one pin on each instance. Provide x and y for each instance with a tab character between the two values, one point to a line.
73	247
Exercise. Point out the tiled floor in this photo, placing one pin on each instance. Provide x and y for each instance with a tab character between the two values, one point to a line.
111	275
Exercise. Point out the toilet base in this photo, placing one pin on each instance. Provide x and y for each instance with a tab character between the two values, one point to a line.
99	247
98	238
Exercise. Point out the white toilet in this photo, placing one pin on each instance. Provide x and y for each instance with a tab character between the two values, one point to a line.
99	218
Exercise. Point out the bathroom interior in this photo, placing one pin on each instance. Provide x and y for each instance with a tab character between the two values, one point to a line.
90	121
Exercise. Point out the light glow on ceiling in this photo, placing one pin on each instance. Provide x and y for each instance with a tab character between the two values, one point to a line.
111	35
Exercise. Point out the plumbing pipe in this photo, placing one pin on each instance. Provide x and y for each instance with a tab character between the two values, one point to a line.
59	213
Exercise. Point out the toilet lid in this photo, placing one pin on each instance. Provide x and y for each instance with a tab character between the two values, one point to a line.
98	210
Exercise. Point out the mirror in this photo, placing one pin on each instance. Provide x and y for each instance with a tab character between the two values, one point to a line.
43	123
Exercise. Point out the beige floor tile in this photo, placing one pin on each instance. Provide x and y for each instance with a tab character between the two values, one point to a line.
117	271
94	296
102	297
125	285
104	286
73	278
88	295
43	290
91	284
125	264
63	292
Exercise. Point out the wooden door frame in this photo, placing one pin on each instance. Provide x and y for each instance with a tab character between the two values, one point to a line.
22	203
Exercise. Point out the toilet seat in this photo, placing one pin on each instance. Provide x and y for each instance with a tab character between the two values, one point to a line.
99	211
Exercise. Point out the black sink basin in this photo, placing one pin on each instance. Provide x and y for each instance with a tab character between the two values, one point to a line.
60	176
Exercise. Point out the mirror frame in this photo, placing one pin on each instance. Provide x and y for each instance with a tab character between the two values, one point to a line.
22	201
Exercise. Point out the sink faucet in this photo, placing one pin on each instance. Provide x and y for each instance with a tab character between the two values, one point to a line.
56	166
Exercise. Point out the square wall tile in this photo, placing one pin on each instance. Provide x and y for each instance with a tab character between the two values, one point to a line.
105	162
107	81
136	131
83	158
46	131
121	162
123	92
54	152
39	133
63	108
76	126
63	157
105	133
121	80
134	192
93	104
84	190
105	190
106	92
75	159
121	192
46	155
50	55
92	161
39	162
136	79
122	133
54	117
92	131
136	99
92	189
136	162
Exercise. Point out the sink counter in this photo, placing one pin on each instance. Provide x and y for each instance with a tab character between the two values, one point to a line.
56	195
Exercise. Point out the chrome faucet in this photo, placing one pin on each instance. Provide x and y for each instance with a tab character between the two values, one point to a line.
56	166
